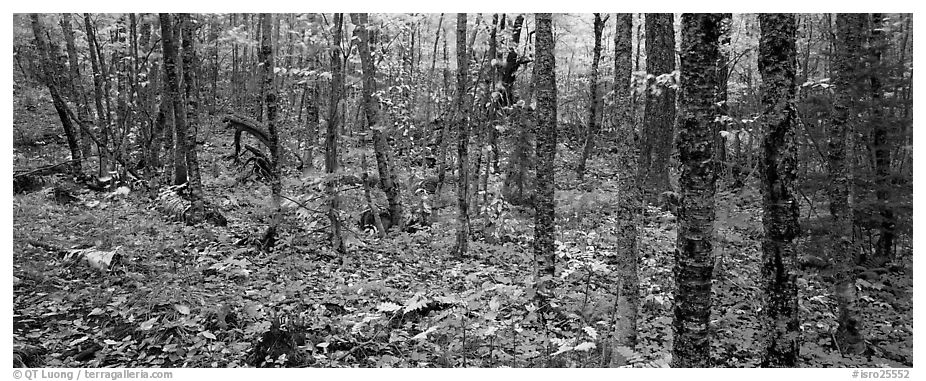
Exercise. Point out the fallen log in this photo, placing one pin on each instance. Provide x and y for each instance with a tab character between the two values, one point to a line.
32	180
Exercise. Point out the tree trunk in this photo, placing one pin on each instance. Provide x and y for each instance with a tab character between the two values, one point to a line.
778	67
311	125
331	137
630	203
544	78
430	100
190	84
80	95
50	73
594	105
491	79
102	116
462	138
881	141
659	108
693	258
847	71
173	95
387	175
270	100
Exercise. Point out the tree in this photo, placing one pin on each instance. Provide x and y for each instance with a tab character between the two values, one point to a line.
544	78
462	138
331	136
630	204
270	100
102	117
382	150
188	139
778	67
659	107
693	258
881	139
77	83
594	106
172	82
49	75
847	72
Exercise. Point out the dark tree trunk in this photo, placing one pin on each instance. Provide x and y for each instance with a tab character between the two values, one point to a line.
50	74
659	108
331	137
544	78
881	141
848	77
778	67
693	258
511	63
594	105
630	203
173	95
77	83
462	138
98	95
381	148
192	117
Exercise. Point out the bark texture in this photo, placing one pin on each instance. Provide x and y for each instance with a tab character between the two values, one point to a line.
462	123
631	202
545	90
190	91
172	80
270	100
659	107
331	136
778	67
847	72
693	258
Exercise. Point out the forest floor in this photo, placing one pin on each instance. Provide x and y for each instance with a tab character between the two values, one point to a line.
193	296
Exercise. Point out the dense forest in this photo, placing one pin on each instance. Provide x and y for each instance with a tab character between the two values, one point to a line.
462	190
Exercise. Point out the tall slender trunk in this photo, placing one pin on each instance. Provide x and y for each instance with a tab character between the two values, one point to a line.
98	95
331	137
311	125
270	99
630	203
544	78
778	67
381	148
427	107
847	68
594	105
462	123
77	82
881	141
172	82
491	80
50	74
190	86
693	258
